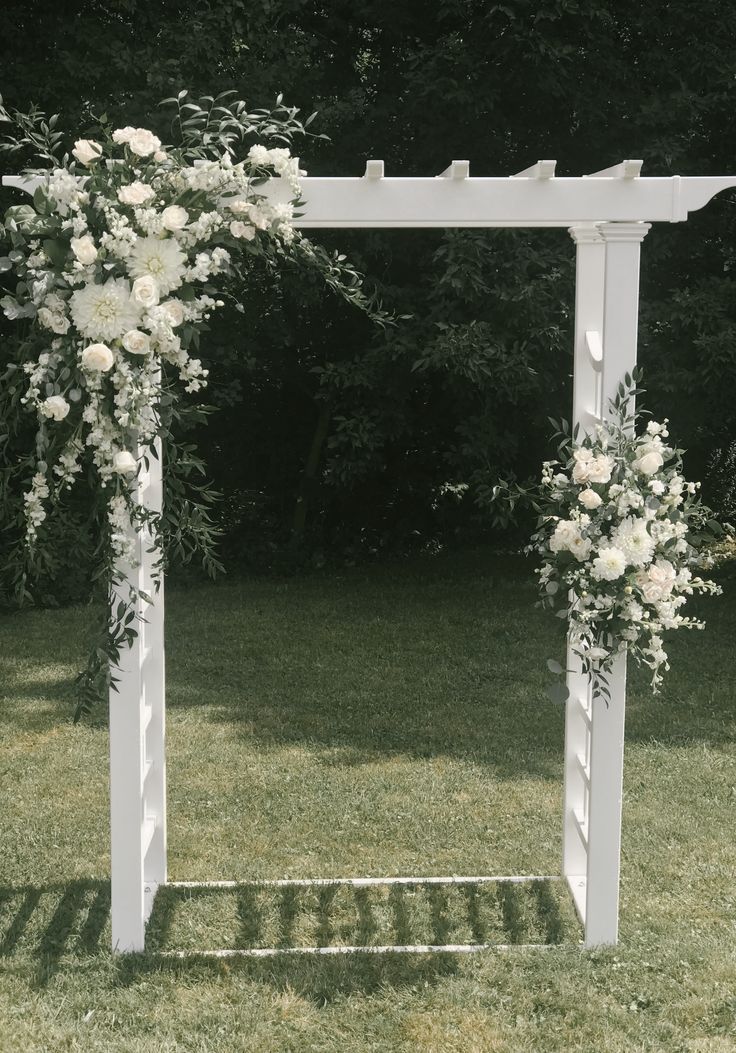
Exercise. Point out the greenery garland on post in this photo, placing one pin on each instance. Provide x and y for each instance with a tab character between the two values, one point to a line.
128	248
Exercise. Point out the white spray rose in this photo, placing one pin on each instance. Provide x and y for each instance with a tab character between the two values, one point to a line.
140	140
124	463
97	358
57	323
86	151
136	342
145	291
174	217
160	155
590	499
242	230
84	249
174	311
135	193
55	406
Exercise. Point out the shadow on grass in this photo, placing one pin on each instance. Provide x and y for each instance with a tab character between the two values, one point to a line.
79	918
53	927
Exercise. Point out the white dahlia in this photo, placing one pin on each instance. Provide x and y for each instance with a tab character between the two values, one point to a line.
160	259
104	312
634	540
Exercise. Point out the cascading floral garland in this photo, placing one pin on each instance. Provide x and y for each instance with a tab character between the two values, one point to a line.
621	534
128	248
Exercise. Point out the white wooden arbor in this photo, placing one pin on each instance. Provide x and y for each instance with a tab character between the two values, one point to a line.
607	214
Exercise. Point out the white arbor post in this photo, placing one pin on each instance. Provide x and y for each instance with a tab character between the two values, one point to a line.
606	325
137	743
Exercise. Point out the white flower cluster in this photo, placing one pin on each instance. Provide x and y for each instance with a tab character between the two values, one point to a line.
133	240
618	547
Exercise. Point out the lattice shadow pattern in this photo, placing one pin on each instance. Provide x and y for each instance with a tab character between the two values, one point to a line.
292	918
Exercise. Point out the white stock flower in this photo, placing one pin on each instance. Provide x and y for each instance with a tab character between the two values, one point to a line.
97	358
124	463
260	156
174	217
84	249
242	230
140	140
609	564
136	342
104	312
160	259
649	463
87	151
590	499
633	539
136	193
145	291
55	406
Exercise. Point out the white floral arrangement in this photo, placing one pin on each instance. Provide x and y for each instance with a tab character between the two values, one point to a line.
621	535
128	248
117	265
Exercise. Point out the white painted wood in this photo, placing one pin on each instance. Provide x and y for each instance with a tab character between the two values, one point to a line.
137	748
407	201
364	882
624	170
606	326
540	170
128	832
154	681
412	948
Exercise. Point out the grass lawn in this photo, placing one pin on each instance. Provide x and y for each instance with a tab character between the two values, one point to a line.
375	721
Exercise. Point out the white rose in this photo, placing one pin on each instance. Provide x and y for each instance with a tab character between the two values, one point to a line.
84	249
242	230
142	142
649	463
599	469
135	193
174	311
160	155
174	217
97	358
136	342
55	406
590	499
122	135
663	574
87	151
124	463
145	291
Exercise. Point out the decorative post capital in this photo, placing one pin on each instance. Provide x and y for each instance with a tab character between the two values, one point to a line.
586	234
627	232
